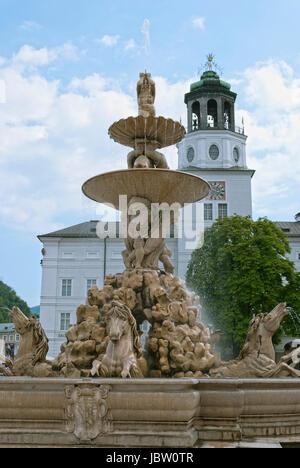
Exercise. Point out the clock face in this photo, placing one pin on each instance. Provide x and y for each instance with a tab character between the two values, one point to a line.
217	191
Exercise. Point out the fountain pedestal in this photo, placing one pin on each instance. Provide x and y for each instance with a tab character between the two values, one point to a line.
149	413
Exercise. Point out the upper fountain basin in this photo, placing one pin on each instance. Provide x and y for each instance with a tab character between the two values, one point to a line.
157	131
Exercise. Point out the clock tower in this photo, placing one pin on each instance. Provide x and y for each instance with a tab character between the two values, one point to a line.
214	149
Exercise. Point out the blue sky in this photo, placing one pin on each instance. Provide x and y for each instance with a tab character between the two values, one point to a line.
70	69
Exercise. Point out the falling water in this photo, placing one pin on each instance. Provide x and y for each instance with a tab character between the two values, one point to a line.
145	134
174	131
294	318
147	43
5	308
112	359
166	123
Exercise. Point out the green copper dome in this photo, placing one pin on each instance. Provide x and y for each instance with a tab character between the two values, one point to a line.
209	78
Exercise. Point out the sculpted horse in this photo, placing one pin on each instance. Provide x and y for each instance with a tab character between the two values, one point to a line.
124	348
33	346
257	358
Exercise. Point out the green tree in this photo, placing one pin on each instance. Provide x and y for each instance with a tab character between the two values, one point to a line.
242	270
8	299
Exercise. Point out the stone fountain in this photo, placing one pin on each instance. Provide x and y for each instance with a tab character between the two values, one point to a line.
103	390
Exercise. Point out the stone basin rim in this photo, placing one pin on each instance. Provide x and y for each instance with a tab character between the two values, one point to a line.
120	133
198	191
146	381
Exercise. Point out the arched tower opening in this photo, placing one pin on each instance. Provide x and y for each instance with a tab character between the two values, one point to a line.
212	113
227	115
196	116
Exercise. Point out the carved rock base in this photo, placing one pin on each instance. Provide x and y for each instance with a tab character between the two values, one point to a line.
178	345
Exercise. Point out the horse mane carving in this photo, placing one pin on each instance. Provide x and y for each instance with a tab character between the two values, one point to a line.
40	341
250	342
120	310
33	346
124	350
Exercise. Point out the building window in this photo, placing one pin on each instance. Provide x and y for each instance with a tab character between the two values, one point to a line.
214	152
208	211
66	290
11	338
17	337
92	254
64	321
190	154
298	256
222	210
4	337
68	255
90	283
236	154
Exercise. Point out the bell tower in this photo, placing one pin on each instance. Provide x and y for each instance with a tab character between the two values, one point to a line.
214	149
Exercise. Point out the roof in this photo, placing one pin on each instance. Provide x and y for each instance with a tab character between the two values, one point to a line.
84	230
292	229
210	84
209	78
7	327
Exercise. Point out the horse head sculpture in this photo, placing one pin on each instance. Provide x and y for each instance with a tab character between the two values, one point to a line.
261	330
124	348
33	347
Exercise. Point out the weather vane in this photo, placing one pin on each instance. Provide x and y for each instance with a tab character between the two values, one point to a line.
210	65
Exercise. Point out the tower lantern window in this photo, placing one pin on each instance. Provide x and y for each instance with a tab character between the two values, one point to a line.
212	113
196	115
227	115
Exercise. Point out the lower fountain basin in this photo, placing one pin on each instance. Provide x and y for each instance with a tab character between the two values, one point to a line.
156	185
149	412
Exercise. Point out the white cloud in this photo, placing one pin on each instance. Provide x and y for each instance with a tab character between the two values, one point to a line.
30	26
109	41
130	45
51	142
199	23
37	57
29	56
272	118
2	92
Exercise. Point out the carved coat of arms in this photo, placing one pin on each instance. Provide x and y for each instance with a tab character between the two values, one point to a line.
87	412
